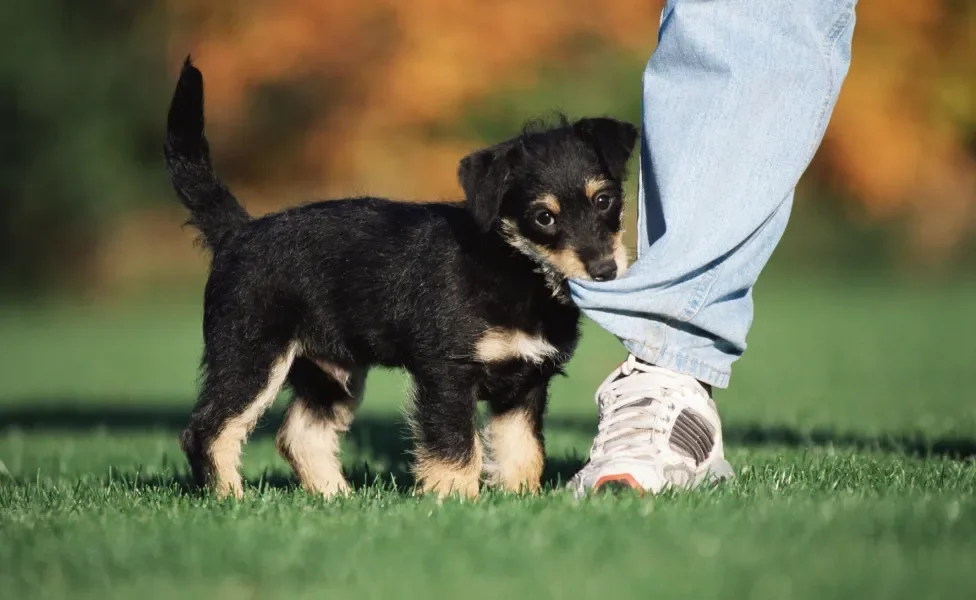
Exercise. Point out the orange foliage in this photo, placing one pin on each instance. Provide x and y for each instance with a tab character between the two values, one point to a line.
897	140
896	143
402	65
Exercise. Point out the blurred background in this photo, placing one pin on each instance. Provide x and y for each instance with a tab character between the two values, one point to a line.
100	286
311	99
859	362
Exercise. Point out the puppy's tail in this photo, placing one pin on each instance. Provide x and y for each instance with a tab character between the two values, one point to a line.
213	209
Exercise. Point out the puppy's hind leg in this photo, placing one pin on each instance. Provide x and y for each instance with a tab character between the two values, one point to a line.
325	399
238	388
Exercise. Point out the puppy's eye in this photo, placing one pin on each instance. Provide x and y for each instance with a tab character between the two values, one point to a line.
603	201
544	218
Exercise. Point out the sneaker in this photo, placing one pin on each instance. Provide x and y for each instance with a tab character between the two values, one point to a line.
658	429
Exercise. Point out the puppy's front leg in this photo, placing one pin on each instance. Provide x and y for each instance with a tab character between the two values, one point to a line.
448	457
516	443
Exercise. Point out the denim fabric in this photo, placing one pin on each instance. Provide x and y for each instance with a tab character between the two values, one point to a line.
736	99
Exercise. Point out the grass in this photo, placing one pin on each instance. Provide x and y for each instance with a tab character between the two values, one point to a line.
850	421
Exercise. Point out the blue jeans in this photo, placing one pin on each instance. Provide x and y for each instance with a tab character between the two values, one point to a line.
736	99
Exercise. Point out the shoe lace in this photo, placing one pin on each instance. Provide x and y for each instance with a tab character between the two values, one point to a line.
637	404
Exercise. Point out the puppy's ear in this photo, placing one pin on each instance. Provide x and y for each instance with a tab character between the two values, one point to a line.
613	141
484	177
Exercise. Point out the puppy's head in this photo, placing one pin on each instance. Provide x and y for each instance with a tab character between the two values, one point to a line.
556	195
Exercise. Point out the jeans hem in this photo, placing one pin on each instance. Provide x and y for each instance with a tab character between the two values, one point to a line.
680	363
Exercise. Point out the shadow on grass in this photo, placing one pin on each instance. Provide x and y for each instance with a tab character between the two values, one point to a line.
385	438
382	437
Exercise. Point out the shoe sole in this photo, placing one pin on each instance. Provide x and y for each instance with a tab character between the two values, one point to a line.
719	472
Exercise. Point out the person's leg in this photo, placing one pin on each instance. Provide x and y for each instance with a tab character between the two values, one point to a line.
736	99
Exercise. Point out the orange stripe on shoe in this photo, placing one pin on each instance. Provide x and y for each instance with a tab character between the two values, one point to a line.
624	478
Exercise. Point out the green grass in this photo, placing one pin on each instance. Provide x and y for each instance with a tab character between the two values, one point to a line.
850	420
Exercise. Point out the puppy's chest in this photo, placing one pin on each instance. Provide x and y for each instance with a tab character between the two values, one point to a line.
517	361
547	343
533	329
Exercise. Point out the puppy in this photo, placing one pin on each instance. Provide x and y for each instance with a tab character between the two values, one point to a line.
470	298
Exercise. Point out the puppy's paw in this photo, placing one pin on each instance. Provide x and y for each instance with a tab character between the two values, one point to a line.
444	479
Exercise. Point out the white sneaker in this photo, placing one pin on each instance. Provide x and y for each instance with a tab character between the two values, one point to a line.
658	429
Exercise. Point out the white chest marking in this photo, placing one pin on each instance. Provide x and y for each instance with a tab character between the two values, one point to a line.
500	344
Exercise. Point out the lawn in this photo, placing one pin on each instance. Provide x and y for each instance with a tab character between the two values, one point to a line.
851	422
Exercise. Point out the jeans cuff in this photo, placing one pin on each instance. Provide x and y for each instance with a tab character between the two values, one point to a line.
680	363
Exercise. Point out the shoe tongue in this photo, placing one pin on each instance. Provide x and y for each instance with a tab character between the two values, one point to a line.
624	374
638	360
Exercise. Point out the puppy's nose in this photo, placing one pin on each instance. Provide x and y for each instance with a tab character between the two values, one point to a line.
602	270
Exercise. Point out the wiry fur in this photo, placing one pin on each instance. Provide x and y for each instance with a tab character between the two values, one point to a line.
214	211
324	291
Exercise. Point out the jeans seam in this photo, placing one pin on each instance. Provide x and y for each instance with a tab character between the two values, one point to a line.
828	49
700	293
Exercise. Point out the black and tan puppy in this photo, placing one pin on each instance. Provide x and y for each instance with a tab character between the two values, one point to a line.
471	298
